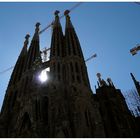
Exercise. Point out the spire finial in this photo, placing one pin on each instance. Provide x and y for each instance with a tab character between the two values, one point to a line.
56	13
56	22
37	27
37	24
27	36
101	81
98	75
66	13
68	21
110	82
26	40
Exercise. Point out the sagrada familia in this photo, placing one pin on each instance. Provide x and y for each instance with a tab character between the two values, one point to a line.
64	106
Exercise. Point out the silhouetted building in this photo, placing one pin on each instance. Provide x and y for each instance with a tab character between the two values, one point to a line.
118	121
64	105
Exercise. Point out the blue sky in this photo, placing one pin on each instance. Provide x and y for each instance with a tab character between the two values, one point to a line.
108	29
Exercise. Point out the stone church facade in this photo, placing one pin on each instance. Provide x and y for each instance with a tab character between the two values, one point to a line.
64	106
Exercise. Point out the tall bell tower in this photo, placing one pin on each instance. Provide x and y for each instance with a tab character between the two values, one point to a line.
75	113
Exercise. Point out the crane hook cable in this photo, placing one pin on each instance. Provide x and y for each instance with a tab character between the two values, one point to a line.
71	9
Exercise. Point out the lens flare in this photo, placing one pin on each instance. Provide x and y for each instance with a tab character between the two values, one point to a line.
43	76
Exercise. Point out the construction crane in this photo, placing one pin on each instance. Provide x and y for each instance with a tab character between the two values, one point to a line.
45	58
8	69
134	50
43	30
91	57
51	23
45	50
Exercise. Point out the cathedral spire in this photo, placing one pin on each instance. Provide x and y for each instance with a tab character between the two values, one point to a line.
57	52
18	69
77	68
74	47
34	50
15	77
68	21
56	22
137	84
57	47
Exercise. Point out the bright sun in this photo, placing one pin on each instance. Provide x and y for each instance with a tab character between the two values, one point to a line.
43	76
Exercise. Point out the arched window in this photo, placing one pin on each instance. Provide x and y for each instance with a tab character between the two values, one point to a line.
79	53
71	67
58	44
20	70
58	67
26	83
59	77
53	45
54	67
63	48
14	96
58	71
66	132
26	124
87	115
83	76
74	89
36	110
78	46
73	45
76	67
73	78
68	44
78	79
64	72
29	59
44	109
72	72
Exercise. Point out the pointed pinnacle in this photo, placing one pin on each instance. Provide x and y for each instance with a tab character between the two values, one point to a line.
27	36
56	13
37	27
66	13
98	75
37	24
26	40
